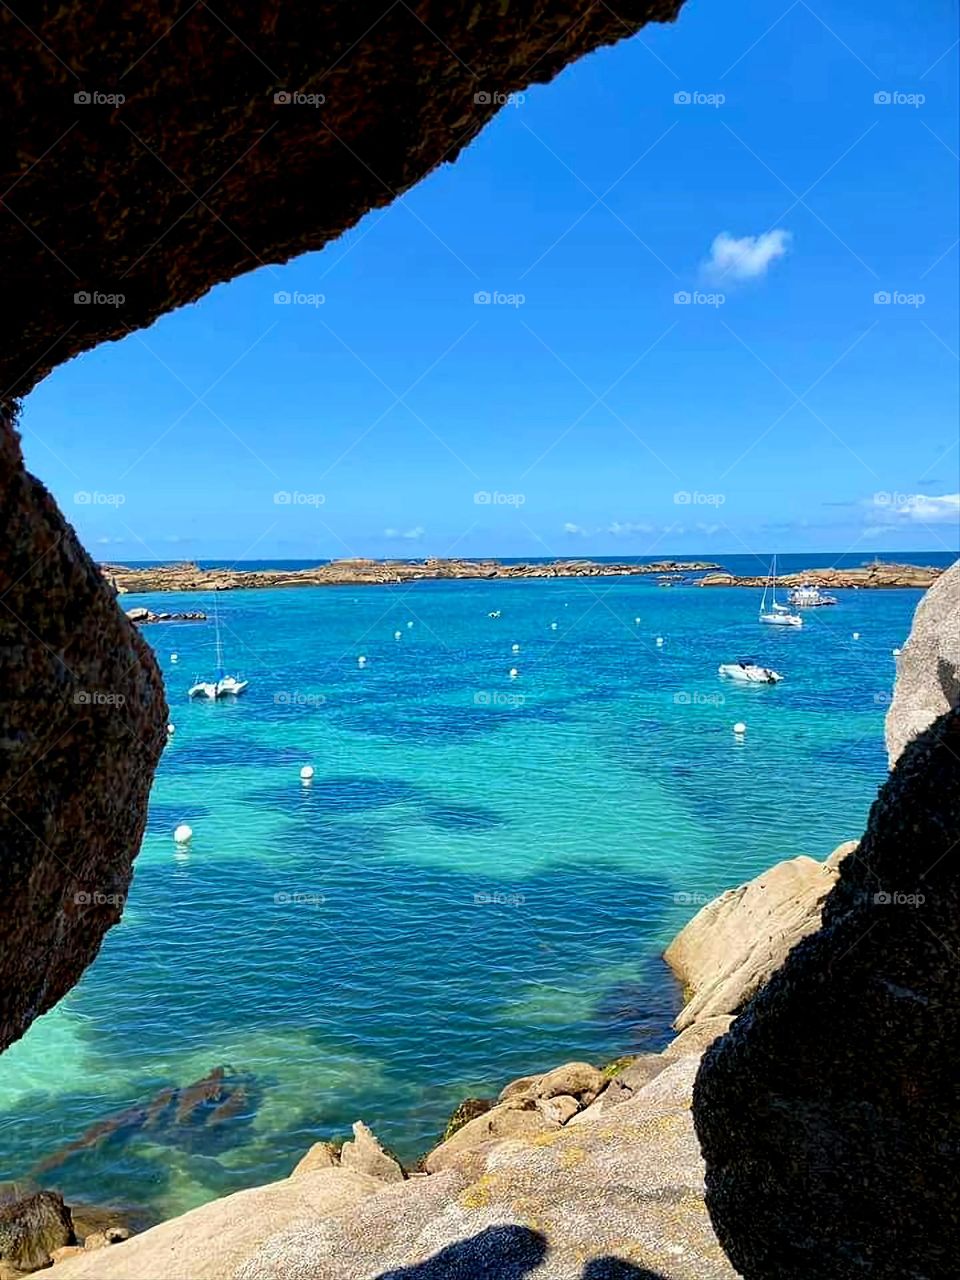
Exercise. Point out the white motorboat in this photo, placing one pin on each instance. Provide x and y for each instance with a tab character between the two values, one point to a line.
809	597
223	686
747	671
778	615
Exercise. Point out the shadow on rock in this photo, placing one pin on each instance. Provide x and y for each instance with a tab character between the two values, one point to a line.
617	1269
507	1253
499	1253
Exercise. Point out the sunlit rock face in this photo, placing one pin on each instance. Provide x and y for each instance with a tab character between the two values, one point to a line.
152	151
82	725
828	1115
928	667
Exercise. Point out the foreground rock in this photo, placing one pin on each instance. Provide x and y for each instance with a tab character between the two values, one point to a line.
33	1228
828	1114
83	725
733	945
605	1200
870	576
209	1243
366	1155
360	572
928	667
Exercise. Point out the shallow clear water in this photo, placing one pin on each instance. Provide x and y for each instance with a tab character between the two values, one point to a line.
477	883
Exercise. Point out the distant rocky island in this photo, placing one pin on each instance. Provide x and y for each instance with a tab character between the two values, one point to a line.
361	572
878	574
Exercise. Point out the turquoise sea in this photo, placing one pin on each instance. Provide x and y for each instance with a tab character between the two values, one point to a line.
477	882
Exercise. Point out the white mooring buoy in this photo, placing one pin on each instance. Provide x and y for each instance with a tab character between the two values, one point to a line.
306	773
397	635
659	642
514	673
171	729
361	661
183	834
409	624
174	657
739	728
856	635
514	648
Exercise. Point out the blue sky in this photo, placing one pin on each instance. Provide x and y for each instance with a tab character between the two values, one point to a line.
584	410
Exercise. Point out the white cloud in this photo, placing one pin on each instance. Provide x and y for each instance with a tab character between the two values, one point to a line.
625	528
920	508
746	258
411	535
570	527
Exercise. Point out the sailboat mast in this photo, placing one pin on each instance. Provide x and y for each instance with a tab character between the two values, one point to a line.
216	624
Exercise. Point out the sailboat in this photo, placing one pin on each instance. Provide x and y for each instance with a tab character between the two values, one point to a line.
778	615
221	686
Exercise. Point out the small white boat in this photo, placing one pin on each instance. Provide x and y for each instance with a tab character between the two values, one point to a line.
223	686
809	597
494	613
778	615
747	671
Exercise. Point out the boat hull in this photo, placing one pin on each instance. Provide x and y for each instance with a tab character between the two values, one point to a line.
781	620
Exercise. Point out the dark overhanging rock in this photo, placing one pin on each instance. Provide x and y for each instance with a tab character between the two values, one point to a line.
115	212
829	1114
82	725
200	174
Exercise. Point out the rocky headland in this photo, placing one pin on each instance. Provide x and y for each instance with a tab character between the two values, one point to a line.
360	572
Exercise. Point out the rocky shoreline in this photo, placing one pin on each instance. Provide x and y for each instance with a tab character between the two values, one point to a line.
871	576
359	572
